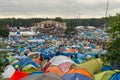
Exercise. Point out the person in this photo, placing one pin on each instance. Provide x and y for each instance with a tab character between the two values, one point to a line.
35	59
41	57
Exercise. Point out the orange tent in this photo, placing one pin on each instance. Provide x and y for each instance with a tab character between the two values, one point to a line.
81	71
55	70
72	50
18	75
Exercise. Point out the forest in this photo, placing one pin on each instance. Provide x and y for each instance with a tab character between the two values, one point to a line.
28	22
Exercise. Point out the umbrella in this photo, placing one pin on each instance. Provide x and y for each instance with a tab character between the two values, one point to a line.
49	76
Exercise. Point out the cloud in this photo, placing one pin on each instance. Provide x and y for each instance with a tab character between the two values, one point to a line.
54	8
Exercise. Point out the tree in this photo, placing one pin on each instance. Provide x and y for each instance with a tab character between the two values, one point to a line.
113	47
70	31
59	19
3	60
4	32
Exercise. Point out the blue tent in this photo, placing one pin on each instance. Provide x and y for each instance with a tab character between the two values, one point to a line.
81	56
105	68
24	60
116	76
18	33
32	63
76	76
36	73
76	61
11	49
68	54
22	49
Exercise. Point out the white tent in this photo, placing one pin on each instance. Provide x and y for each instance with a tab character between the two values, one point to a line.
25	33
8	72
57	60
36	40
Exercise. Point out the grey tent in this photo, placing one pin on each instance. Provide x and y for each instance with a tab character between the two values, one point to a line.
49	76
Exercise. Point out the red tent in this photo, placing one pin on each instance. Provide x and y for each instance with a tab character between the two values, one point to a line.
18	75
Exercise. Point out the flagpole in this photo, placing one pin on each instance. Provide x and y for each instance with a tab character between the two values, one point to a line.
106	12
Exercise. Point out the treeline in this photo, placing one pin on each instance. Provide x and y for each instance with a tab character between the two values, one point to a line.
98	22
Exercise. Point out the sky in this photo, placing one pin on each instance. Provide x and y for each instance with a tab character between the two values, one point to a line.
57	8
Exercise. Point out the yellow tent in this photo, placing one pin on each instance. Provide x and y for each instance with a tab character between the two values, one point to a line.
93	66
105	75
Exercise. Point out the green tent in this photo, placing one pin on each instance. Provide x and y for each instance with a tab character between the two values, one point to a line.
29	69
93	66
105	75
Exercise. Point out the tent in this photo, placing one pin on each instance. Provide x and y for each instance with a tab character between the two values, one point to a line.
49	76
105	75
54	69
81	71
36	73
81	56
76	76
69	50
18	75
57	60
29	68
93	66
24	61
32	54
8	72
36	40
116	76
31	63
65	67
105	68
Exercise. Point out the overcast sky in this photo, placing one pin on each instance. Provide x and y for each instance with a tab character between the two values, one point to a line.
57	8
